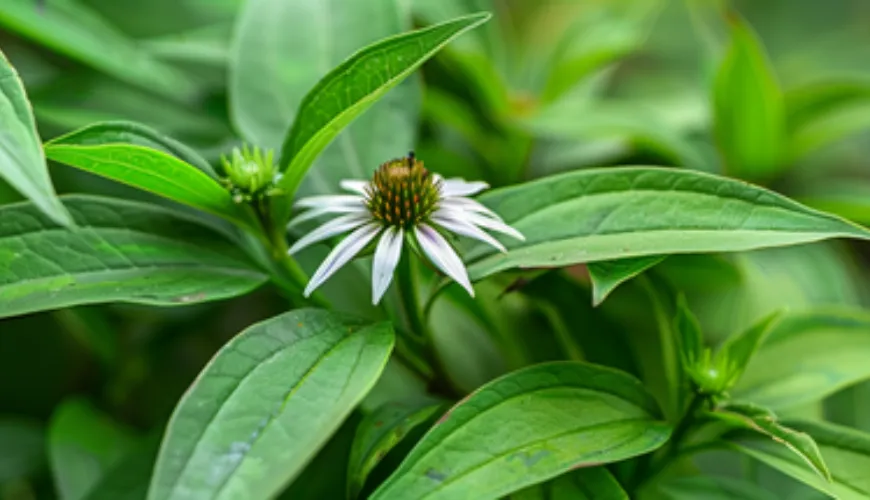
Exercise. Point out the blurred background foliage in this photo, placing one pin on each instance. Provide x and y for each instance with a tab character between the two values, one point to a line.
548	86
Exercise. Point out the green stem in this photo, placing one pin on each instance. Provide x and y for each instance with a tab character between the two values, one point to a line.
439	381
650	465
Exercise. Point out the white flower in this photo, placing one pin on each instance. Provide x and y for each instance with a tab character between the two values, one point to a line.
402	200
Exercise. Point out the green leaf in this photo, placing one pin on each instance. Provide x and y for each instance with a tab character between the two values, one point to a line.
594	483
607	275
71	28
808	357
137	134
529	426
83	445
845	450
567	119
352	87
823	112
122	251
830	128
594	215
748	108
378	433
689	334
22	163
737	351
710	487
150	170
319	479
23	445
763	421
266	403
848	198
282	48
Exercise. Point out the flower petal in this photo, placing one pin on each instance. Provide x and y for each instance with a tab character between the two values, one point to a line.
467	204
496	225
330	229
442	255
317	212
459	187
355	186
387	256
459	226
329	200
342	254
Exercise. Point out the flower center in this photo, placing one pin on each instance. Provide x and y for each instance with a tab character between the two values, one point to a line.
402	192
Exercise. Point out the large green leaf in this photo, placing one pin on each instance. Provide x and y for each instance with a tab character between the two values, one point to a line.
808	357
282	48
611	213
83	445
378	433
70	28
22	163
266	403
122	251
353	86
124	132
594	483
845	450
748	108
526	427
147	169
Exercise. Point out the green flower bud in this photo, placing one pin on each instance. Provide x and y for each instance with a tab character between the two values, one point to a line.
712	375
249	173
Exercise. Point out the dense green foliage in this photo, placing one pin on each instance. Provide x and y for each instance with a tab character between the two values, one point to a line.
682	313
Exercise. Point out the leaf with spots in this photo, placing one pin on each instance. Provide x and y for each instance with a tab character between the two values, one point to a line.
120	251
602	214
266	403
527	427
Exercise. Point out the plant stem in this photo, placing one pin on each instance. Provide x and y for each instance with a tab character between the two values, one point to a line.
439	381
651	466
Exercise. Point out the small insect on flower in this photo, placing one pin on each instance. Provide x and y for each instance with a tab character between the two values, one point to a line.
403	199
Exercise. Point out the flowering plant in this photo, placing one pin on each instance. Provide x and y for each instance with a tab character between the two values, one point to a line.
521	307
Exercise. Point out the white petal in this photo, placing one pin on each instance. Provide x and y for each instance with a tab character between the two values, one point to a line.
355	186
496	225
330	229
387	256
459	187
468	204
459	226
317	212
442	255
342	254
329	200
